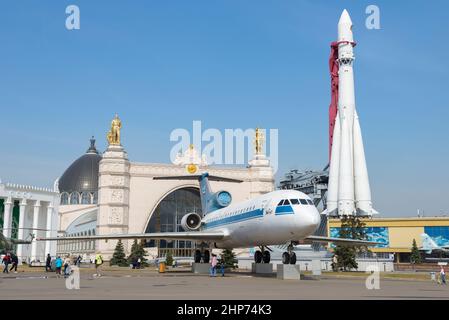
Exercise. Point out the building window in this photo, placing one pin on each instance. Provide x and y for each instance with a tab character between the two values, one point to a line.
89	233
167	218
64	198
85	198
75	198
95	198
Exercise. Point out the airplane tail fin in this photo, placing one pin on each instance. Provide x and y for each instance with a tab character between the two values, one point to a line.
428	244
210	201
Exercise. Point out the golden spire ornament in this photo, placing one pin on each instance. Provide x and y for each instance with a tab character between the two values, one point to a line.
114	134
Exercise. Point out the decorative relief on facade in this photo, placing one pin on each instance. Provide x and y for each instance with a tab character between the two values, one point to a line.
117	196
190	157
163	169
113	167
113	181
116	216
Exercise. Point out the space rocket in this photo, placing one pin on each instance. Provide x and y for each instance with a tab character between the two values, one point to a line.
348	187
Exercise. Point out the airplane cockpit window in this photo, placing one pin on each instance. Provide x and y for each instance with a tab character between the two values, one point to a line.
303	201
281	203
310	202
286	202
294	201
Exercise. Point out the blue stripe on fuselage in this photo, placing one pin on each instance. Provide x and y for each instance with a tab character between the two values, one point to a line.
235	218
284	210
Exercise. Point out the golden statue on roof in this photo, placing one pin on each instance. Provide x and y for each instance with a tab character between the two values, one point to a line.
114	134
258	141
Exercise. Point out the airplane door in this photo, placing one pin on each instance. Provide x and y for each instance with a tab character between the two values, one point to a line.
266	207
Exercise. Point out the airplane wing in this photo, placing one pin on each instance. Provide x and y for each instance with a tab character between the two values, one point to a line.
3	239
188	236
342	241
18	241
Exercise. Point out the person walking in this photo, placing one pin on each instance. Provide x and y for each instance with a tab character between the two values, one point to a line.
222	266
442	275
58	265
6	262
48	263
15	263
98	263
78	261
67	264
213	266
134	262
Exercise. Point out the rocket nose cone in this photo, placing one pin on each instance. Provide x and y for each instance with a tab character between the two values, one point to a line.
345	27
345	18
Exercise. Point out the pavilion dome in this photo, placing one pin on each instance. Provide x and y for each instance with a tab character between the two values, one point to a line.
81	178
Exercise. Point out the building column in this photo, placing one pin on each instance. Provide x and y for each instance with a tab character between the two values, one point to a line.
37	207
23	205
7	220
49	225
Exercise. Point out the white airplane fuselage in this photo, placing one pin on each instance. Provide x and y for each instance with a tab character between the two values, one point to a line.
265	220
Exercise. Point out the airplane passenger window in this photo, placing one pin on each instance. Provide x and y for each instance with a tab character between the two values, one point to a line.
310	202
303	201
294	201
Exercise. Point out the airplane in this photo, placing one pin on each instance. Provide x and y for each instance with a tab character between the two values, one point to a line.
430	246
8	244
276	218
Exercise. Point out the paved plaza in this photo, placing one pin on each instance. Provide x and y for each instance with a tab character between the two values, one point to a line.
148	284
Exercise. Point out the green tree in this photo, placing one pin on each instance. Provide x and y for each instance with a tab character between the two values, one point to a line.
138	252
229	258
415	257
169	258
119	257
352	227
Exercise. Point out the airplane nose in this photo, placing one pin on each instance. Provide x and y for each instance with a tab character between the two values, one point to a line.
313	219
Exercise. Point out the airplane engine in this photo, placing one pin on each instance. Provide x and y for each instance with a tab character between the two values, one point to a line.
191	222
222	199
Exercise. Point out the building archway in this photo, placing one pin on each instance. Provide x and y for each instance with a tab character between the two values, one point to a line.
167	218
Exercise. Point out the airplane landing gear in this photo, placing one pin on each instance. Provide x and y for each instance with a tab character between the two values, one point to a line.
285	258
290	256
262	256
202	255
258	257
197	257
206	256
266	257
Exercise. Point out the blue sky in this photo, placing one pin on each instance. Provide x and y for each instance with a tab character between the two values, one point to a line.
231	64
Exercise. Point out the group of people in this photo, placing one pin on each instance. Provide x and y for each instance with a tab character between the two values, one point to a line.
215	263
63	266
10	259
59	264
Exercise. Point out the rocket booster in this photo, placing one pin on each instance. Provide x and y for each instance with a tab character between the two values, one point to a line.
348	190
